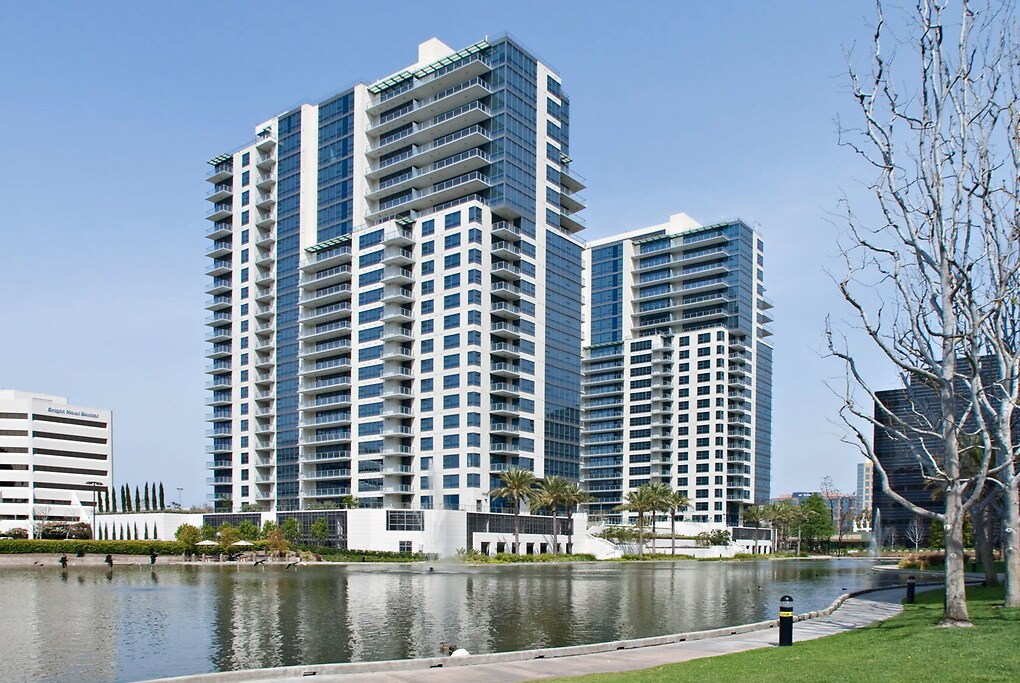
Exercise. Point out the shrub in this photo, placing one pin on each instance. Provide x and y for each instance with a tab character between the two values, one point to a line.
17	533
660	556
15	547
926	560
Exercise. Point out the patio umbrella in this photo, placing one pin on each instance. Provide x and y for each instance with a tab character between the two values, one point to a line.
245	544
207	543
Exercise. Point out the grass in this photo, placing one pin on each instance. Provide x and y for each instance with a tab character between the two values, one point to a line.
907	647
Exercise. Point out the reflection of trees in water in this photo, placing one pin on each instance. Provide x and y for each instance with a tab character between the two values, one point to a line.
278	618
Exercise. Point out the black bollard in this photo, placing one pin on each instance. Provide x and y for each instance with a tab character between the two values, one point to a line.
911	587
109	561
785	621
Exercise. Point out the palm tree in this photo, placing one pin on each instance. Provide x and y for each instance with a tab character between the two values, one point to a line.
518	485
677	503
754	515
552	492
640	500
575	496
660	493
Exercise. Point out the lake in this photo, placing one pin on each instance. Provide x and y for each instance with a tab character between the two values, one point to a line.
131	624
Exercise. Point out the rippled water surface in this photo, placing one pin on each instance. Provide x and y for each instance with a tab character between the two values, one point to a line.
87	625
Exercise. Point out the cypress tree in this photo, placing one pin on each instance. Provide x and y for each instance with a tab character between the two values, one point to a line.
136	523
162	501
146	531
155	533
125	501
113	500
148	507
138	499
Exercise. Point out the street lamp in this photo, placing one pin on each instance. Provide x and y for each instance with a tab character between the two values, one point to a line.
95	489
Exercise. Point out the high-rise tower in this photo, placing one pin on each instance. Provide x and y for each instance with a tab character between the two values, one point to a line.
396	293
678	368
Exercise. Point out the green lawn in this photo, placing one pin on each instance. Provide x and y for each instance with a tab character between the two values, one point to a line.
905	648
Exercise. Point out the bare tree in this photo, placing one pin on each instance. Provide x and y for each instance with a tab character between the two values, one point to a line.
40	518
915	532
919	279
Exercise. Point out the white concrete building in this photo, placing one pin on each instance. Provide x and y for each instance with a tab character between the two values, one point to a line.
53	458
396	290
677	371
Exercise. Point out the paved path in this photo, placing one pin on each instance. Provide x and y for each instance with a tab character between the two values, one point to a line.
854	613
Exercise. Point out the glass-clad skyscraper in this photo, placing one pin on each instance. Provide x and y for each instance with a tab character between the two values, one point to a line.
677	368
395	308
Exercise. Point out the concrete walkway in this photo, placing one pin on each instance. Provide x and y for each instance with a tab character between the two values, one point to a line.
853	613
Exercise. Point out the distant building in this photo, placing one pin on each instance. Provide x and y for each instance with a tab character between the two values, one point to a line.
865	482
677	368
916	405
54	457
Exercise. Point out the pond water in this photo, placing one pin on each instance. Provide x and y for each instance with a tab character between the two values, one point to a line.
131	624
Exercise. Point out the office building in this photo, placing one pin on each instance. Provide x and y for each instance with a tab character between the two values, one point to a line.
865	482
395	308
54	456
677	368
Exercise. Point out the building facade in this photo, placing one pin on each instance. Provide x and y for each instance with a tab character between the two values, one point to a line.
395	308
865	483
54	456
677	368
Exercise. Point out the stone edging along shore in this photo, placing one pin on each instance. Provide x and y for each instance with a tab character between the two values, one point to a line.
515	656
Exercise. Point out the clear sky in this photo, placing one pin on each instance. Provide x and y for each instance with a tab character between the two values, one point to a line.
110	111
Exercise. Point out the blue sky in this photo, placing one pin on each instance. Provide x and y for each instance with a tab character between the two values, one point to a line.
110	111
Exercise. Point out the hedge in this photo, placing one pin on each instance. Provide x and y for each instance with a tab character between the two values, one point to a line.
17	546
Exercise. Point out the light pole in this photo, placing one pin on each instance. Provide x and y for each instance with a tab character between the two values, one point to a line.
95	489
180	493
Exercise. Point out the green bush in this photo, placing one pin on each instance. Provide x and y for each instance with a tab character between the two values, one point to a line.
354	555
510	558
660	556
18	546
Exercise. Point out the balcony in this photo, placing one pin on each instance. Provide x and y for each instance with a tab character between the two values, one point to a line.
506	369
264	294
325	367
398	276
265	201
218	334
316	475
505	389
506	349
219	212
331	329
329	456
266	140
417	111
264	220
332	492
218	231
218	268
397	295
421	177
397	333
327	312
218	368
220	192
324	348
436	127
397	314
220	172
506	310
266	278
439	193
218	303
506	290
571	222
399	353
505	409
326	277
507	271
266	181
507	330
506	250
265	161
469	64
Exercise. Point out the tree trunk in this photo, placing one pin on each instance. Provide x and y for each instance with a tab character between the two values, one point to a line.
517	528
1011	543
982	543
555	537
799	535
955	613
570	526
672	534
641	533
